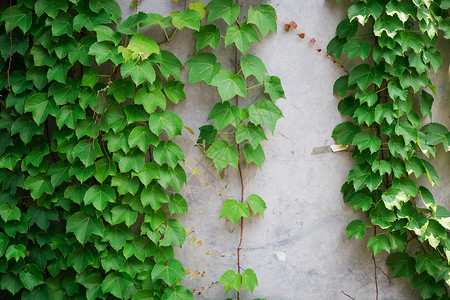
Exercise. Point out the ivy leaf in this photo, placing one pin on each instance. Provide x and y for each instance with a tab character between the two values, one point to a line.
402	265
140	71
133	160
104	33
41	106
16	251
231	280
166	120
362	175
118	141
50	7
356	228
430	262
92	281
177	205
154	196
265	112
169	64
204	66
99	196
130	25
253	133
272	86
38	185
379	243
178	292
427	198
361	201
90	20
427	286
136	247
208	35
87	152
264	18
150	99
249	280
119	284
174	91
121	90
61	25
241	36
80	259
252	65
407	130
20	17
224	114
103	51
174	233
362	76
41	217
125	184
366	139
355	48
229	85
223	155
69	115
117	235
345	132
31	276
169	271
11	283
103	168
254	155
413	79
257	204
187	18
175	177
394	197
225	9
388	24
110	6
142	46
362	11
159	253
170	151
149	172
135	113
116	118
346	29
234	211
142	137
83	225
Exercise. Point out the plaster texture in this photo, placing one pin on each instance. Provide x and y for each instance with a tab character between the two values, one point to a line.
300	249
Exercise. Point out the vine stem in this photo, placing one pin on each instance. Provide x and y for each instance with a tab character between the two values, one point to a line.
347	295
375	266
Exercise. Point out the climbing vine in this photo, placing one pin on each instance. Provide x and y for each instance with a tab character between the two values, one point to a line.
393	47
89	172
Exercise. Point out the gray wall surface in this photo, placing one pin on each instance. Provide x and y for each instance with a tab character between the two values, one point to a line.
300	249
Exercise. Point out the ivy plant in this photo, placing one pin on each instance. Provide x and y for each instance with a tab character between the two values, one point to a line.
90	176
395	141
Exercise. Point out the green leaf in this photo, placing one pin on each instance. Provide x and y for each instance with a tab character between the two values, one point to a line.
361	75
69	115
117	235
272	86
174	91
346	29
4	240
361	201
264	18
204	66
142	46
125	184
83	225
170	151
362	11
41	106
178	292
426	102
241	36
394	197
355	48
382	166
38	76
130	25
253	133
80	259
345	132
225	9
257	204
61	25
427	286
41	217
116	118
64	93
362	175
149	172
38	185
99	196
90	77
249	280
11	283
119	284
135	113
427	198
31	276
234	211
224	114
229	85
166	120
366	139
150	99
104	33
407	130
16	251
379	243
177	205
187	18
142	137
169	64
356	228
208	35
430	262
231	280
103	51
140	71
136	247
121	90
388	24
252	65
169	271
154	196
175	177
413	79
381	216
92	281
254	155
81	52
103	168
174	233
266	112
133	160
90	20
59	71
402	265
50	7
223	155
10	213
20	17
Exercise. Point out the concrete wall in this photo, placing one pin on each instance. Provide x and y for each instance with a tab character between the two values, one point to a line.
299	250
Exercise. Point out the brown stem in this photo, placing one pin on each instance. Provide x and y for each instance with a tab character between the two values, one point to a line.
387	276
347	295
375	266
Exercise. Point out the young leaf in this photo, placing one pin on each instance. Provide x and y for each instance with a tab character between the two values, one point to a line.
253	133
187	18
234	211
264	18
252	65
224	114
140	71
174	233
257	204
356	228
272	86
241	36
229	85
379	243
225	9
223	155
